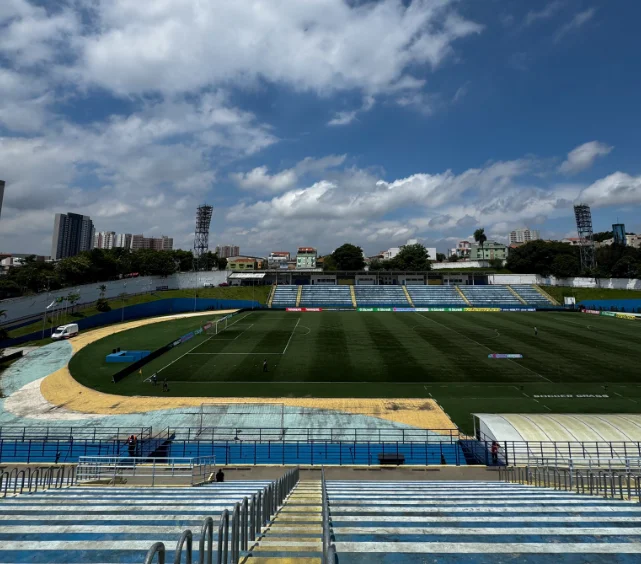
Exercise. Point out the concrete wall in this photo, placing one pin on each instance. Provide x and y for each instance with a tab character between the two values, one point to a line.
460	265
513	279
34	305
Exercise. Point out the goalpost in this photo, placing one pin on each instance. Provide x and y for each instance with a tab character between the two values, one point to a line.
217	326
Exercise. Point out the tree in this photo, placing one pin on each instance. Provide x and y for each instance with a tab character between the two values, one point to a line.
453	258
349	257
411	257
440	257
103	289
329	264
537	257
73	298
480	238
496	263
626	267
565	266
9	289
602	236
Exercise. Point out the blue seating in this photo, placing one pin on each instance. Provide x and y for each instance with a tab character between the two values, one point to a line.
285	296
86	525
435	296
531	295
328	296
480	522
490	296
380	296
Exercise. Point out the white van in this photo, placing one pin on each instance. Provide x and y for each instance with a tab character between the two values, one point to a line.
65	331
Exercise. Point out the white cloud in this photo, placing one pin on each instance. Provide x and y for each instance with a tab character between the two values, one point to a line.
583	157
318	45
546	13
577	22
616	189
259	179
345	118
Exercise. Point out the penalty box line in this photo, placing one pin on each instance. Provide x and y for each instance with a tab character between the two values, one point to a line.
251	353
200	344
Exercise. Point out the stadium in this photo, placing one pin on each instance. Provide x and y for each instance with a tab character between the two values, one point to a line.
354	422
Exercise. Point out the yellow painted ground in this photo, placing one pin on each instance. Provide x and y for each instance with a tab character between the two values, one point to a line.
62	390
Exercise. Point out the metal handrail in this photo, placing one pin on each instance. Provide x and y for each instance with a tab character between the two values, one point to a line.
5	481
608	483
156	548
329	549
246	521
186	537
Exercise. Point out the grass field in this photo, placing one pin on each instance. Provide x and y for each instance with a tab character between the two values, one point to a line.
349	354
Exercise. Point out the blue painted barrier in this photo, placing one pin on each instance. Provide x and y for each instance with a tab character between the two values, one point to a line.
628	306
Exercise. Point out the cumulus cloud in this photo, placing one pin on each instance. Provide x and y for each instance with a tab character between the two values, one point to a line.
616	189
323	46
583	157
259	179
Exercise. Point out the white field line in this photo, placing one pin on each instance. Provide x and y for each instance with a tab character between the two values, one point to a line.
482	345
290	337
200	344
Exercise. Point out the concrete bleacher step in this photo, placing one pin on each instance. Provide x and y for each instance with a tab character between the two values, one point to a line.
480	522
295	533
88	525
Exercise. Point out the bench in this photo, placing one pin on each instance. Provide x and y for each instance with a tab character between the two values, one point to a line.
391	458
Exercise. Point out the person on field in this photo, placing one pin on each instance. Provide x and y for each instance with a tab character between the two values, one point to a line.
154	379
220	475
265	365
536	331
165	385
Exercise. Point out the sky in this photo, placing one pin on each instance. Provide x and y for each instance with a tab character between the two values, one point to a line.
318	122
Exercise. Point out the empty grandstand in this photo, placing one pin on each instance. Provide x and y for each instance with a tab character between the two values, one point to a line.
418	295
482	522
436	296
490	296
285	296
381	296
326	296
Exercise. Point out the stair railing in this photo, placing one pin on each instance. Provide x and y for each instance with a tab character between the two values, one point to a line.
611	484
329	549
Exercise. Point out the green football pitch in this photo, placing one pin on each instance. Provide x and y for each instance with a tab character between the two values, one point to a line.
590	363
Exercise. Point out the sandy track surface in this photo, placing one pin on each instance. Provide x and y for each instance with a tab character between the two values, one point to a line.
60	389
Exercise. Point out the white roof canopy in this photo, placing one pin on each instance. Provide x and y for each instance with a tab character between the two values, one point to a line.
247	275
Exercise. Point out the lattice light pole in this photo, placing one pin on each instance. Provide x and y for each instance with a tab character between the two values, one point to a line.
583	217
201	240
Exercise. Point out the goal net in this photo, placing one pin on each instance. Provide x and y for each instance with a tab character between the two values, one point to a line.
217	326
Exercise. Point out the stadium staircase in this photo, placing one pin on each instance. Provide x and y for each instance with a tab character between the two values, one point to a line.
294	535
271	295
353	296
463	296
532	295
545	294
86	525
479	522
299	295
407	296
513	291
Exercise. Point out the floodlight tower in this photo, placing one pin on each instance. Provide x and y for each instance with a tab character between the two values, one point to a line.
583	217
201	240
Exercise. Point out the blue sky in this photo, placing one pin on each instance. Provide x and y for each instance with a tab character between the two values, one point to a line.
318	122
